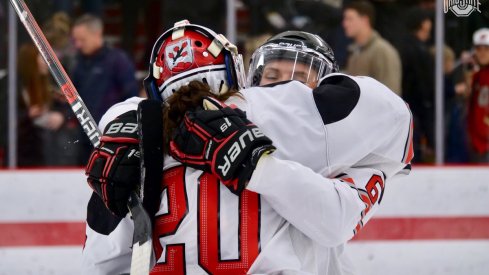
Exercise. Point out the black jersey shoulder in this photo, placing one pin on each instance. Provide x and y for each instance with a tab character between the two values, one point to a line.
336	97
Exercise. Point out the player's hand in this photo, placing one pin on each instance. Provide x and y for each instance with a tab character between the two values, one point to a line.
113	168
222	141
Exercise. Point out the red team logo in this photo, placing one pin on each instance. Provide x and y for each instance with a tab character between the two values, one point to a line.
69	93
179	56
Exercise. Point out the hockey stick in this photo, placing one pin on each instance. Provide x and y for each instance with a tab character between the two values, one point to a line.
142	222
150	126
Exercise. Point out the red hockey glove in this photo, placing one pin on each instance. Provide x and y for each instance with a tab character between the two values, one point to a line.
221	141
113	168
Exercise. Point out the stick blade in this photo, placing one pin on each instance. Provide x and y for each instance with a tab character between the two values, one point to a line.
142	245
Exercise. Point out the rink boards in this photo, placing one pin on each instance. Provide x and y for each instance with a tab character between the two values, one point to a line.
436	221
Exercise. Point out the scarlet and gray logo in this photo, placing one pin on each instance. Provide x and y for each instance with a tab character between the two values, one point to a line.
462	8
179	55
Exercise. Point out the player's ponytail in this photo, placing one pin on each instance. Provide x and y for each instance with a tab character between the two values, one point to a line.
187	98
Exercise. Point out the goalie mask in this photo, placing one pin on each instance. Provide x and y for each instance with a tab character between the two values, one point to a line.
190	52
291	55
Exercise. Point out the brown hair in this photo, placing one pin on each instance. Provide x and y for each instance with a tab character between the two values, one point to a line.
364	8
57	30
35	84
187	98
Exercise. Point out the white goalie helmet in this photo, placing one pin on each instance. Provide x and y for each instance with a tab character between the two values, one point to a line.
189	52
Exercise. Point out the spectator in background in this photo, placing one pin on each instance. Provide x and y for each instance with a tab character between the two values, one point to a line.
370	54
455	111
102	75
39	118
478	114
57	31
418	81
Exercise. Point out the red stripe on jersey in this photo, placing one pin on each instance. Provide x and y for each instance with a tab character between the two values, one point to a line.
410	154
409	150
350	180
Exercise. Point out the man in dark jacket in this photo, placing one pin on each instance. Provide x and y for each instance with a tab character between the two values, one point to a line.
102	75
418	81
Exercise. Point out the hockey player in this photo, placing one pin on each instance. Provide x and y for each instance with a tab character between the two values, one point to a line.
271	216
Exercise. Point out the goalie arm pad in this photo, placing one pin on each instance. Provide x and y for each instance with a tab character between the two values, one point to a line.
329	211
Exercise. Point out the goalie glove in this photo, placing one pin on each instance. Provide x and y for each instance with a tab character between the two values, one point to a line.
221	141
113	169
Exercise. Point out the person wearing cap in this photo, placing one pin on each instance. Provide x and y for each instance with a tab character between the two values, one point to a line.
478	111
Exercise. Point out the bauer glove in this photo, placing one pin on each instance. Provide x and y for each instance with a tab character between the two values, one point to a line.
221	141
113	167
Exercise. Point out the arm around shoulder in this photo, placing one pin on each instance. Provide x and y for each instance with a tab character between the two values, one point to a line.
328	210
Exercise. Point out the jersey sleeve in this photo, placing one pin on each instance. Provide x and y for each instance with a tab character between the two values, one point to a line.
108	243
330	211
336	145
366	125
118	109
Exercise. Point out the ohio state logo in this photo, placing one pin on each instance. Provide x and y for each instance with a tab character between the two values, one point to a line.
179	55
461	7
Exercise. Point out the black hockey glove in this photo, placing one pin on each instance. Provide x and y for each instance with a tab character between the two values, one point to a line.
113	169
220	141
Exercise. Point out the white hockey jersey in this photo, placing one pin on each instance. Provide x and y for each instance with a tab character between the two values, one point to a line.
336	146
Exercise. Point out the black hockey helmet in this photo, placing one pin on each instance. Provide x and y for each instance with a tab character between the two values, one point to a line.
301	49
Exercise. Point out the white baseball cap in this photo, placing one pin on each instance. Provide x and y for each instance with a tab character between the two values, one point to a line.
481	37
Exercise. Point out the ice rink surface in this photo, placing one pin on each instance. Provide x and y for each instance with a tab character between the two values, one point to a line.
421	257
40	260
435	221
373	258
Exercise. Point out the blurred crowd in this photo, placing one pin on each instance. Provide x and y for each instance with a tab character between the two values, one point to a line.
104	46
